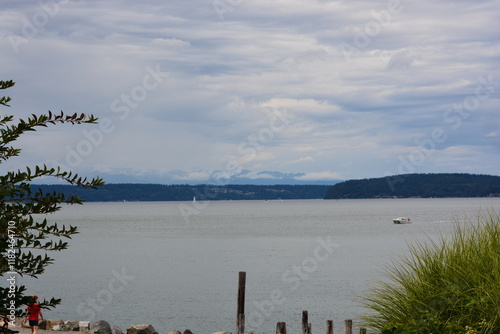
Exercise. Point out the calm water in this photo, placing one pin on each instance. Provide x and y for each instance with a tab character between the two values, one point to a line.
146	263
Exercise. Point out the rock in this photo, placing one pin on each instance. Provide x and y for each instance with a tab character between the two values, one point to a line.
54	324
41	324
19	322
84	326
116	330
187	331
71	326
141	329
174	332
222	333
100	327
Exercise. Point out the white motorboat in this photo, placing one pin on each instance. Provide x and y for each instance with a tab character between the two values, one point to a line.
401	220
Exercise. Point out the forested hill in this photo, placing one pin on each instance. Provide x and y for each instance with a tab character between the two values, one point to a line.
418	185
158	192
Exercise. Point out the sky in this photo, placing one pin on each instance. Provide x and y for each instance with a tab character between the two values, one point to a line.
240	91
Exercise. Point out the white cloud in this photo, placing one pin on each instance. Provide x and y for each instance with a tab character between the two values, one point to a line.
323	176
493	134
201	176
303	159
257	175
303	106
169	43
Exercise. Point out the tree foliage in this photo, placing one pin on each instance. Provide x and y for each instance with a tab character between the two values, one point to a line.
25	236
418	185
183	192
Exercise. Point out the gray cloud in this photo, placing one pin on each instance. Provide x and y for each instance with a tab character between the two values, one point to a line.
364	81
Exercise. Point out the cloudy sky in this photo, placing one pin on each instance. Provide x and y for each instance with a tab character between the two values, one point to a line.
192	91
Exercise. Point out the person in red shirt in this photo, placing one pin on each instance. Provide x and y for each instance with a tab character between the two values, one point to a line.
33	313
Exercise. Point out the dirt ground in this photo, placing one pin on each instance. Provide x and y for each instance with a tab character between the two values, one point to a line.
23	330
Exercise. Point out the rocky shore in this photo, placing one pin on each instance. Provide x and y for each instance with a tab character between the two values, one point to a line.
84	327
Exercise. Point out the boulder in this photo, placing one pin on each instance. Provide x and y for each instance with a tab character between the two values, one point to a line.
174	332
116	330
41	324
141	329
19	322
71	326
84	326
54	324
100	327
187	331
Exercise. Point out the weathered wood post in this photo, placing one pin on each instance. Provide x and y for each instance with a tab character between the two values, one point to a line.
240	312
309	328
305	321
241	324
329	327
348	326
362	330
281	328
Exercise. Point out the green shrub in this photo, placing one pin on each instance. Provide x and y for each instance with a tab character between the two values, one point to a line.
451	286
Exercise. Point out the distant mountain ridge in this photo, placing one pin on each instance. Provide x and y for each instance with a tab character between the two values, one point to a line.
243	177
418	185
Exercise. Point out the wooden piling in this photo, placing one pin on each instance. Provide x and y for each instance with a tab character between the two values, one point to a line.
348	326
241	324
305	322
329	327
240	312
281	328
362	330
309	328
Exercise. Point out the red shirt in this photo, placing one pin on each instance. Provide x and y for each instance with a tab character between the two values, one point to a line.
33	311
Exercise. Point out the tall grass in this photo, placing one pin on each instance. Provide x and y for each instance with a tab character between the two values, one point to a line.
449	286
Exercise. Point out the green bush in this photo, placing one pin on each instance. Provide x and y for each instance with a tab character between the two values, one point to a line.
451	286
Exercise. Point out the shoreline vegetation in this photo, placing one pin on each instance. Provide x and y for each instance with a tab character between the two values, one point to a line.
441	185
449	286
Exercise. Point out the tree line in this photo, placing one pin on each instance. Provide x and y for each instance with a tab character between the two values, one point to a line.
418	185
159	192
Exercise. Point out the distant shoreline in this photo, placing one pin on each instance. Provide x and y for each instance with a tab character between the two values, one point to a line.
441	185
167	193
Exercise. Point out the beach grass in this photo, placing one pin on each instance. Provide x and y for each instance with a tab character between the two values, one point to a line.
448	286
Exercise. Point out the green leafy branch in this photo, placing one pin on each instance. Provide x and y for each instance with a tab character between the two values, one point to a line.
24	241
11	133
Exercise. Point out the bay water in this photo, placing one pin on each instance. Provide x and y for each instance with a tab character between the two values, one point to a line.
175	265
